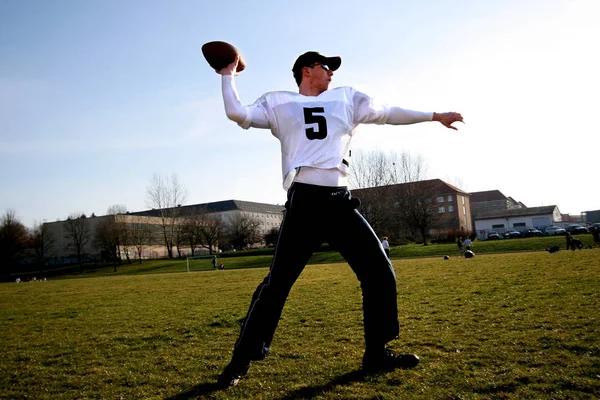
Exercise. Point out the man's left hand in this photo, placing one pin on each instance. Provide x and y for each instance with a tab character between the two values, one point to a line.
448	118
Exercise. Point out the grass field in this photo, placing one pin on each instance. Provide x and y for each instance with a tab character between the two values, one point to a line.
498	326
261	258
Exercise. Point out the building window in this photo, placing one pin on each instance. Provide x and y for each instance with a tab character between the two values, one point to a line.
450	208
450	198
498	226
464	210
463	199
442	210
521	224
440	199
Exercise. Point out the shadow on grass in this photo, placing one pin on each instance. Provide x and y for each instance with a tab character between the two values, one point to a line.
310	392
202	389
207	388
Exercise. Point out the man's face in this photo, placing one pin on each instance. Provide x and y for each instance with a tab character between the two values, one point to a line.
320	75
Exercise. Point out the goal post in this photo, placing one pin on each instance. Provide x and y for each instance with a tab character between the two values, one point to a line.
202	263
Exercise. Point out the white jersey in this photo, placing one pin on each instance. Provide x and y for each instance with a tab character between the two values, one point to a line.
316	131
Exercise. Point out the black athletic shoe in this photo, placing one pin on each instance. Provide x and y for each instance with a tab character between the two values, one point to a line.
387	360
232	373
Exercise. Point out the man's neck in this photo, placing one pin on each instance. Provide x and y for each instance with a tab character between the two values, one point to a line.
309	90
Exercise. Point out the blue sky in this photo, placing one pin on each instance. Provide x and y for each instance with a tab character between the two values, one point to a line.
97	96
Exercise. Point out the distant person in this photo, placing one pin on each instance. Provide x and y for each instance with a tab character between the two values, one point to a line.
468	243
459	243
596	236
214	262
315	127
576	244
569	241
386	246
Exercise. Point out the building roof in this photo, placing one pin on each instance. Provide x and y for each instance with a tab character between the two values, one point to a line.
221	206
231	205
488	195
516	212
437	186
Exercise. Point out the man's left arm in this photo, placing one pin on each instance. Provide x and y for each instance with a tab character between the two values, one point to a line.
401	116
370	113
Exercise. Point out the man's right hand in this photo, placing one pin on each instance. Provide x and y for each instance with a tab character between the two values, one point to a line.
231	69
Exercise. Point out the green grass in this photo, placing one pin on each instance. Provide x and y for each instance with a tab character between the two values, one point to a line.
258	258
498	326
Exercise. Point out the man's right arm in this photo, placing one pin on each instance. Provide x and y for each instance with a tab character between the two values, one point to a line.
245	116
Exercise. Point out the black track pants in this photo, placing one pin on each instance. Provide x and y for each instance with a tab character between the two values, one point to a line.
315	215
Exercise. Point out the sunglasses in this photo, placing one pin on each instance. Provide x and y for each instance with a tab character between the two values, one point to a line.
324	66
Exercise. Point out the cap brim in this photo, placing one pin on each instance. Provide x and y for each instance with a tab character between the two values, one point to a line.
333	62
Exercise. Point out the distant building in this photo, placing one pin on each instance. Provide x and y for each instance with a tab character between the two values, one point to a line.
450	204
488	200
592	217
63	251
520	219
269	215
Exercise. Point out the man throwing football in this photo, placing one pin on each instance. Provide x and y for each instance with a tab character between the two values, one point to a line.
315	127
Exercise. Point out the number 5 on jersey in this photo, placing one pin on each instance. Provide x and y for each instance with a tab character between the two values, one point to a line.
311	116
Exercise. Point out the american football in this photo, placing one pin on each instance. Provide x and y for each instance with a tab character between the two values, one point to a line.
221	54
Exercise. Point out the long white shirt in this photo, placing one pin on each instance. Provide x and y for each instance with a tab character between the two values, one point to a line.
314	131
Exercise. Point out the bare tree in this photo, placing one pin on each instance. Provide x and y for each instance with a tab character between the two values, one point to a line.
377	168
457	182
119	230
203	229
191	232
77	233
116	209
13	240
211	231
166	197
394	201
372	169
107	239
140	234
271	237
244	231
416	209
180	235
42	242
409	168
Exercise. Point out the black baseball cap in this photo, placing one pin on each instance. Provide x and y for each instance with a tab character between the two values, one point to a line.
309	59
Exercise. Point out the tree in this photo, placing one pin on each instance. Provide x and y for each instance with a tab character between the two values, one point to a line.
211	231
140	234
272	236
41	241
190	231
373	169
395	204
107	238
179	236
119	232
243	231
203	229
416	208
13	240
166	197
77	233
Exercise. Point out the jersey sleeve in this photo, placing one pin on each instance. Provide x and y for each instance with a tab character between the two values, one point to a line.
366	111
246	116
